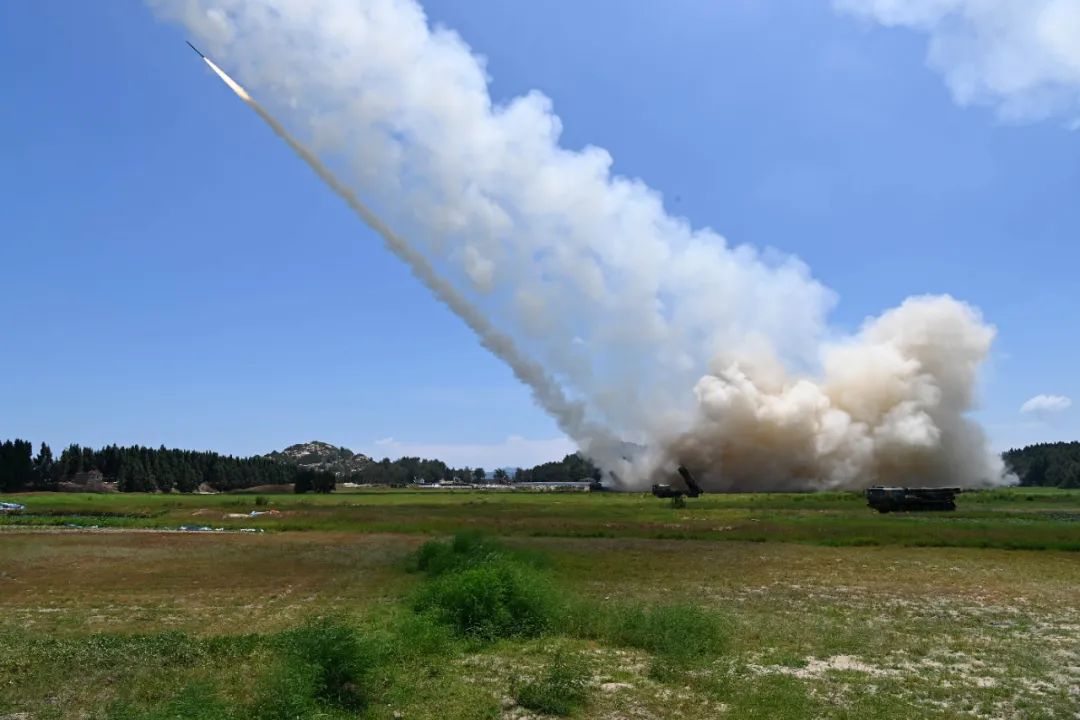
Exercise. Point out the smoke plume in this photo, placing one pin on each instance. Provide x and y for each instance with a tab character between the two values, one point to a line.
626	321
546	392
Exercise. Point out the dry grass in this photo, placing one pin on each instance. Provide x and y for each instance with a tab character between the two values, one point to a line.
136	581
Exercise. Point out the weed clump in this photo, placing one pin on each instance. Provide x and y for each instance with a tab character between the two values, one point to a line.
287	692
469	549
496	599
562	689
416	637
322	669
484	590
329	657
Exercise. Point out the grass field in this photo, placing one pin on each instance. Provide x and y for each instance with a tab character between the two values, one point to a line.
815	606
1032	518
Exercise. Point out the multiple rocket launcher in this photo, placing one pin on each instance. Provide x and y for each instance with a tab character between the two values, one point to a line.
882	499
664	490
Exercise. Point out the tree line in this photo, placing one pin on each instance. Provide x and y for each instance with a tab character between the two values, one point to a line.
1050	464
144	469
572	468
406	470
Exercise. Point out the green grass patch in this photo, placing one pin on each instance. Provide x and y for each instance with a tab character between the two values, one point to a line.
324	668
330	659
679	636
483	590
563	687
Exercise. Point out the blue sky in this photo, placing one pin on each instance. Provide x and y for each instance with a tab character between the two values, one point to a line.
172	275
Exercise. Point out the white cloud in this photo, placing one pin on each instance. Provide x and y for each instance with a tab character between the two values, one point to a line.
1046	404
514	451
1021	57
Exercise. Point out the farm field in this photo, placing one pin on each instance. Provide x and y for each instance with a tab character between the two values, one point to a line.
739	606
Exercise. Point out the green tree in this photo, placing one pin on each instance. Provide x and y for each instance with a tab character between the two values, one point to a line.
479	475
71	460
89	459
324	482
501	476
1051	464
137	477
16	465
187	479
314	481
44	471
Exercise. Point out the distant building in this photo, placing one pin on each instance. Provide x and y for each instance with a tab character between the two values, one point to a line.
89	481
90	477
557	486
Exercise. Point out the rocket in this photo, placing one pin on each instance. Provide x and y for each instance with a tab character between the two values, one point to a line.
236	88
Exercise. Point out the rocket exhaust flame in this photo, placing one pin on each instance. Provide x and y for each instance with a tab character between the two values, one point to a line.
547	393
626	322
243	95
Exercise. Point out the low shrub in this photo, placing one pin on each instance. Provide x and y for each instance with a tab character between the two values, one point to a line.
418	636
437	557
468	549
562	689
335	656
287	692
496	599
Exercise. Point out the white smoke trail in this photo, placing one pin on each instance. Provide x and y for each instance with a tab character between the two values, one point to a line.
661	333
569	415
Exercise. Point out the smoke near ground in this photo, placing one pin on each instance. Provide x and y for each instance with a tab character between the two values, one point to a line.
626	321
889	408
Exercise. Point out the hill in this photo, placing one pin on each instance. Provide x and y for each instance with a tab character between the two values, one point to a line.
322	456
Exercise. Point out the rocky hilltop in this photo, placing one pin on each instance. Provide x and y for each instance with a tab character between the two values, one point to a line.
318	455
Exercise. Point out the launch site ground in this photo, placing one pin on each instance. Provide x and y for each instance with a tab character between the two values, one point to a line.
814	605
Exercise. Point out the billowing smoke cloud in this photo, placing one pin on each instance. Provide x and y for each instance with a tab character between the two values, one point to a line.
1020	56
637	325
890	408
